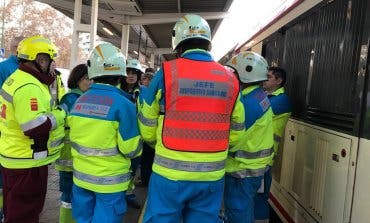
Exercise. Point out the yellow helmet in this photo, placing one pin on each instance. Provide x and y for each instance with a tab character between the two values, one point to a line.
31	46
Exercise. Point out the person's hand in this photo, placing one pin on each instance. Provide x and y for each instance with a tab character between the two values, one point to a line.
52	68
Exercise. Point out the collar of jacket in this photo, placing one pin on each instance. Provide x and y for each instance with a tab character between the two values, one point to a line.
249	89
107	87
13	58
75	91
43	78
278	91
197	54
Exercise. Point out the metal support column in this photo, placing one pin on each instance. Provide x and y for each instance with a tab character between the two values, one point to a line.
125	38
75	39
152	58
94	22
78	28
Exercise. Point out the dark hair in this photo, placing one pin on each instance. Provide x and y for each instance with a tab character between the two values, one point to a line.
194	43
124	84
279	72
111	80
149	70
77	73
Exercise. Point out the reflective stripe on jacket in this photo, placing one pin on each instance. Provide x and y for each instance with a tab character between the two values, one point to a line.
58	134
199	99
104	137
64	163
254	152
26	104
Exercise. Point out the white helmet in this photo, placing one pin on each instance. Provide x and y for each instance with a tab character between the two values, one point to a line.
134	64
106	60
250	66
188	27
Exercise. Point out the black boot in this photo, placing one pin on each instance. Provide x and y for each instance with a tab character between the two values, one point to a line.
132	201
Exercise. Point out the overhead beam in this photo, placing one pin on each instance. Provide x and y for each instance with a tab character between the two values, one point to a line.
161	18
86	10
130	17
159	51
120	2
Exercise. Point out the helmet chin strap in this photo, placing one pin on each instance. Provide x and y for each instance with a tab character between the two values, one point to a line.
40	69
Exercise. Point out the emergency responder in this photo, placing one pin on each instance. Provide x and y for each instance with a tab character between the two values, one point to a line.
130	85
281	108
32	130
7	67
247	161
146	78
104	137
193	113
78	83
147	156
57	87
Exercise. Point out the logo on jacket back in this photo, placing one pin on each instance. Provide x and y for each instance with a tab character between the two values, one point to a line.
33	104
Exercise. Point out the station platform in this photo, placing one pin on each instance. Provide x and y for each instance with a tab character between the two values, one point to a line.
50	214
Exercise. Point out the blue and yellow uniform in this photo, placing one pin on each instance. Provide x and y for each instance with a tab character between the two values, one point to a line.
249	159
131	198
180	174
104	136
7	67
281	109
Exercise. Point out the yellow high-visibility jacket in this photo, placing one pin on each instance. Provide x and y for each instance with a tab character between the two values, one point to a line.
26	105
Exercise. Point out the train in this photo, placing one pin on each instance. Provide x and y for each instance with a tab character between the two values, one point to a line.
322	170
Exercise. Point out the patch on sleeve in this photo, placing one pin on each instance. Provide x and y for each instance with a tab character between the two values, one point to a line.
265	104
33	104
3	111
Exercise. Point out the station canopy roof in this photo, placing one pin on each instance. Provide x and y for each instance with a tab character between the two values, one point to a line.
152	20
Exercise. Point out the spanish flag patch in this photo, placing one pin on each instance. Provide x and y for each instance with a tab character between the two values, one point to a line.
33	104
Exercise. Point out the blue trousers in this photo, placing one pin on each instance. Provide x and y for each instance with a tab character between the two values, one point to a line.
171	201
239	198
65	186
93	207
262	208
146	163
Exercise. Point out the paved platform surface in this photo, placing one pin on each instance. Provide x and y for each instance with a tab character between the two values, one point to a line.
50	214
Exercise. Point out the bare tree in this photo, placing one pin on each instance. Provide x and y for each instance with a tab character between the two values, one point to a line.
27	18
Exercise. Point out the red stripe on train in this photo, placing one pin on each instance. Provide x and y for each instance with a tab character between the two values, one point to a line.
281	209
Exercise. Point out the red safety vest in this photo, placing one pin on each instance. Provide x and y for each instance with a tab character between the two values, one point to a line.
199	98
